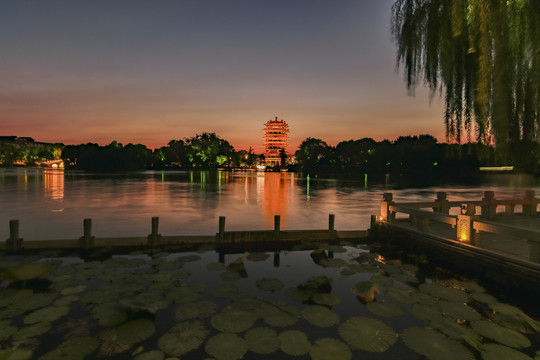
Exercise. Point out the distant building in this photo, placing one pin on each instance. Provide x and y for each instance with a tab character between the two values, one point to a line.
275	141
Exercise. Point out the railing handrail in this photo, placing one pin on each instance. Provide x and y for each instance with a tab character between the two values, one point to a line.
432	215
505	229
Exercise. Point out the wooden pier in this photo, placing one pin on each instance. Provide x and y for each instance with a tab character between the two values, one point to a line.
497	238
223	239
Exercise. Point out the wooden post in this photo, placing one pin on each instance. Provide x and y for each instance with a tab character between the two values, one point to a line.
154	239
331	226
489	208
221	234
529	209
387	200
87	240
443	204
277	224
14	243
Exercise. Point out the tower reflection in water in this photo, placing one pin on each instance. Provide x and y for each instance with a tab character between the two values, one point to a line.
276	195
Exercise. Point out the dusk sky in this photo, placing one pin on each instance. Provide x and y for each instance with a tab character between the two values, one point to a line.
151	71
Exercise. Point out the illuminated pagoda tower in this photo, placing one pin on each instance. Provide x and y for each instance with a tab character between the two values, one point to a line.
275	138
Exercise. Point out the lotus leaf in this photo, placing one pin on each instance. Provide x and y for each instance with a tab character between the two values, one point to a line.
346	272
471	286
66	300
298	294
435	346
336	249
150	355
400	294
198	310
183	338
317	284
325	299
135	331
36	301
270	284
180	274
406	278
426	299
330	349
233	320
294	343
445	293
459	311
6	330
280	315
188	258
241	259
226	346
108	315
425	312
16	354
386	309
382	280
366	291
258	256
483	298
47	314
225	291
216	266
334	263
320	316
500	334
230	275
262	340
110	345
367	334
456	331
12	296
73	348
26	272
500	352
514	318
73	290
186	293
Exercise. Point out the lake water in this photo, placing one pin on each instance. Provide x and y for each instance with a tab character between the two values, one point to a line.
51	204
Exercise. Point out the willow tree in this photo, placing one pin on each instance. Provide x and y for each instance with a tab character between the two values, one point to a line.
483	56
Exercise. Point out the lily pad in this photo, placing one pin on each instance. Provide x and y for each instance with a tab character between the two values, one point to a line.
483	298
367	334
445	293
225	291
197	310
382	280
183	338
16	354
46	314
514	318
330	349
216	266
400	294
320	316
434	345
37	329
230	275
135	331
280	314
26	272
459	311
294	343
500	352
334	263
258	256
500	334
384	308
73	290
226	346
366	290
150	355
262	340
325	299
270	284
298	294
426	312
233	320
73	348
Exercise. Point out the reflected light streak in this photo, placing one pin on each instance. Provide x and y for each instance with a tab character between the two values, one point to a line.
54	184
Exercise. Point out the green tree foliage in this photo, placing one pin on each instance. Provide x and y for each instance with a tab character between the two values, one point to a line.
207	150
111	158
484	58
314	155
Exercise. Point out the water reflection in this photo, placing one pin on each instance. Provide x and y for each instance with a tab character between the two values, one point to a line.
53	181
190	202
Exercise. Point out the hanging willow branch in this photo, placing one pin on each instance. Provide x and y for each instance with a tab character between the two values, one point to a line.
483	55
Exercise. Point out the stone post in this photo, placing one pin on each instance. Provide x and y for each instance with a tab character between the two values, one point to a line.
489	208
444	206
331	226
464	225
14	243
221	234
277	225
387	200
532	203
87	240
154	239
